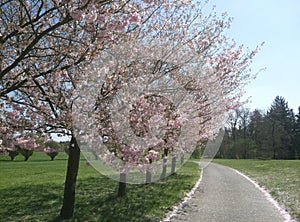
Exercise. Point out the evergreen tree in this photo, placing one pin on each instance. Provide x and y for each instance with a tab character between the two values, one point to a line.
281	122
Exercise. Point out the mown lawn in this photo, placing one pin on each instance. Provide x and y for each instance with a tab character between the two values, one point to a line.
280	177
33	190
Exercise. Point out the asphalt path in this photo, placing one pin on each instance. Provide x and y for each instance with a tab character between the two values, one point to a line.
226	196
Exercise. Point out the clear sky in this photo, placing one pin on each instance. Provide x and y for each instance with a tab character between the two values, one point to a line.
277	23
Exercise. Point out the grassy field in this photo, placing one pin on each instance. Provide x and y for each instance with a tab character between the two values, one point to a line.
33	190
280	177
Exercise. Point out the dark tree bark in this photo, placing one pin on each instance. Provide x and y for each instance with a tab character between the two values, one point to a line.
122	185
70	183
273	140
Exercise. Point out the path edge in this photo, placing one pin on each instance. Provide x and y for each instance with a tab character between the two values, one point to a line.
185	200
284	213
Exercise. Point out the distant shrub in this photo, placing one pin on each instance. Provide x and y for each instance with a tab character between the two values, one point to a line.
25	146
51	152
52	148
6	150
12	153
25	152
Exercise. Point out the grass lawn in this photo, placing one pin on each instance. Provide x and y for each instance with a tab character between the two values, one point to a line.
280	177
33	191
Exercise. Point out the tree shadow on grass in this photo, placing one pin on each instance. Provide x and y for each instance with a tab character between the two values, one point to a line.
96	200
146	202
30	202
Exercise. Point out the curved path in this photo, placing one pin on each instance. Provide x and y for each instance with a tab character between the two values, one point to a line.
226	196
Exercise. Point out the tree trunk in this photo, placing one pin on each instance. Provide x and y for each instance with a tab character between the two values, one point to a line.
173	164
122	185
182	158
164	171
148	176
70	183
273	141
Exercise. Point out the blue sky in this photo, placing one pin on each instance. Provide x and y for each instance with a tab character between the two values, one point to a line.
277	23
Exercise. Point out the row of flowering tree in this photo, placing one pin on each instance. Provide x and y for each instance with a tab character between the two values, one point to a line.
125	80
26	146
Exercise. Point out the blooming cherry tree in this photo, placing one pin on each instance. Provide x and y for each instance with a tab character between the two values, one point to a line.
47	49
115	103
43	43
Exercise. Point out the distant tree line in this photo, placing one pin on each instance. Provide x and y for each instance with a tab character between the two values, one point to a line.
274	134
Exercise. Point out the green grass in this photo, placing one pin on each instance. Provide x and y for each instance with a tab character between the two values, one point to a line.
33	190
280	177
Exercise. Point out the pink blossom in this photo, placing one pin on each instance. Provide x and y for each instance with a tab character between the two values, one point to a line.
91	17
135	18
77	15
